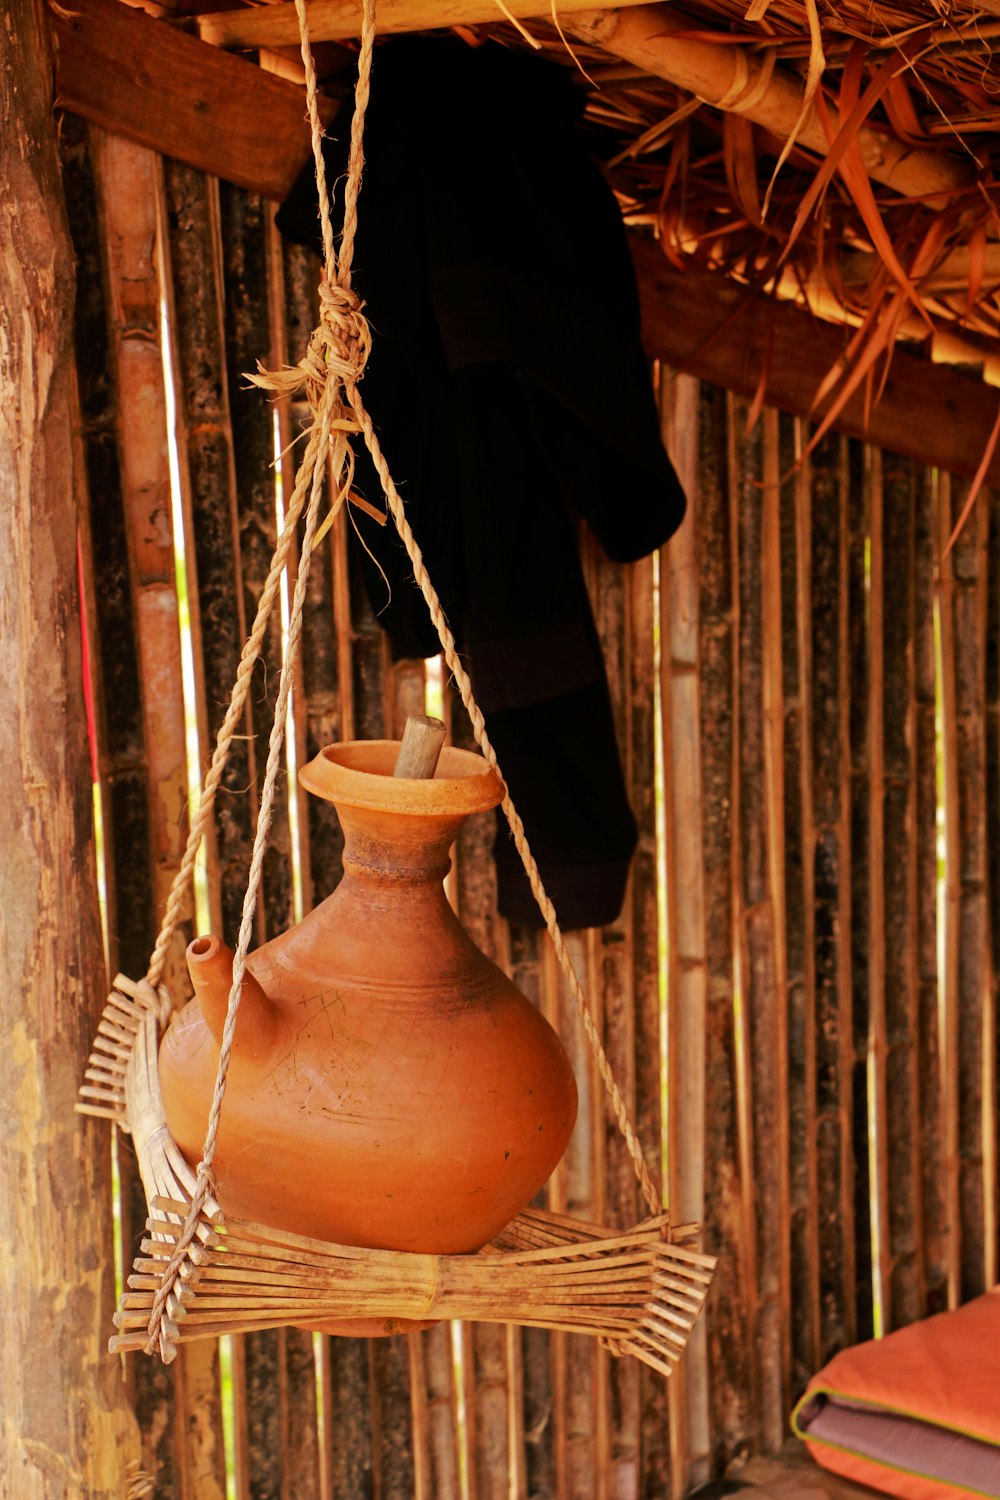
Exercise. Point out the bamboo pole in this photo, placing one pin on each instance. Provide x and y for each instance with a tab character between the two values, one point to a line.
684	876
65	1424
339	20
734	78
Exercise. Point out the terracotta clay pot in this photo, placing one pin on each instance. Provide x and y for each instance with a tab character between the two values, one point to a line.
389	1086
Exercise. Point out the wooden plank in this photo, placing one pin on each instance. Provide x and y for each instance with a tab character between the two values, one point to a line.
864	567
936	1236
796	666
831	858
724	1237
932	413
349	1414
762	990
338	20
136	76
683	874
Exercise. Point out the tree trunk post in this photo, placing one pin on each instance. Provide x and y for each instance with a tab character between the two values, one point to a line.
67	1431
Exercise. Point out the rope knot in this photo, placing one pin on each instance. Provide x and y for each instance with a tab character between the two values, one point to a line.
343	335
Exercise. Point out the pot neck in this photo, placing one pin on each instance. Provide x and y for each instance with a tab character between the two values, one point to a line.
403	849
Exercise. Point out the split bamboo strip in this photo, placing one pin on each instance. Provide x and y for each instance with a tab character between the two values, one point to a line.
252	332
864	596
992	567
736	78
130	184
120	747
612	984
905	1294
195	298
967	938
728	1351
762	990
831	857
796	662
488	1376
652	1453
936	1237
683	875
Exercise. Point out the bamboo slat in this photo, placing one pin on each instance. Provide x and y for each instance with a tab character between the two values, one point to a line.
831	857
488	1375
967	939
244	223
652	1454
865	674
762	988
616	1434
728	1351
196	303
796	665
992	564
683	876
936	1229
121	753
905	1297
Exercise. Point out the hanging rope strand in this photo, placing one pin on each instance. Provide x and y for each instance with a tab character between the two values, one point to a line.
464	685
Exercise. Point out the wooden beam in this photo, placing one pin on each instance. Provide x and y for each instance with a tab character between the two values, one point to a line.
710	326
733	78
145	80
333	20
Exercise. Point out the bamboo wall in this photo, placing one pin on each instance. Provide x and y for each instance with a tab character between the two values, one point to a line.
799	997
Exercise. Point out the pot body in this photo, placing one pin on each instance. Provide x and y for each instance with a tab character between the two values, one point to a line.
389	1086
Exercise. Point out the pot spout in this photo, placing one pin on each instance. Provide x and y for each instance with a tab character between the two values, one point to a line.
210	964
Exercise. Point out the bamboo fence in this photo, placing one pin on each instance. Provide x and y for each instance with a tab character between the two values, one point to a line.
799	997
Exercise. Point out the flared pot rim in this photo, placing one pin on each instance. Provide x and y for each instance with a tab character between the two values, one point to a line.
358	773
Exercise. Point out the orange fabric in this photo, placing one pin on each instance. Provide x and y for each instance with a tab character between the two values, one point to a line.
944	1370
878	1477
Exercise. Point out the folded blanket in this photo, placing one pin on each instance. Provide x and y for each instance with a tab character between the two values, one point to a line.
916	1414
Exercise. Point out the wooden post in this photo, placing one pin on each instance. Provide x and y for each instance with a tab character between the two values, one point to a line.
67	1429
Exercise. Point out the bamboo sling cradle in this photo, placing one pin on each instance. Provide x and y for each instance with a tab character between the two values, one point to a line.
200	1274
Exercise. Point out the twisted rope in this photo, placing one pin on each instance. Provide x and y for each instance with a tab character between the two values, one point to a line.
330	372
